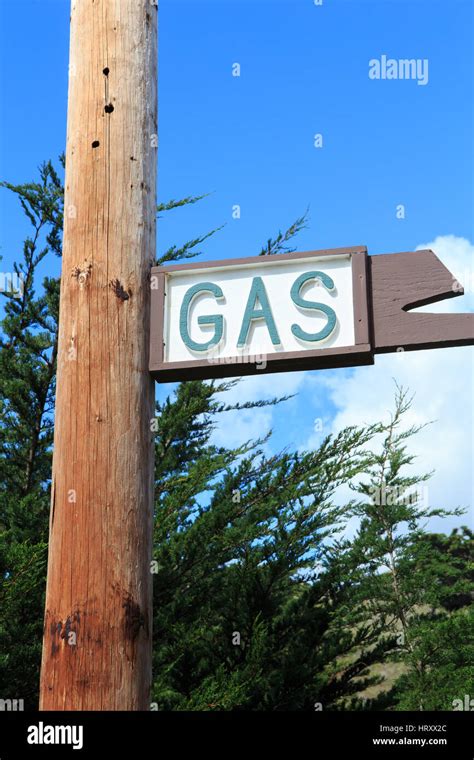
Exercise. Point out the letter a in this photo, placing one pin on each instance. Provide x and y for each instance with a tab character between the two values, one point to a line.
257	291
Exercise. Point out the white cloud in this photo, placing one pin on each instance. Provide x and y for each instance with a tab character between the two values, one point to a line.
443	383
457	254
239	426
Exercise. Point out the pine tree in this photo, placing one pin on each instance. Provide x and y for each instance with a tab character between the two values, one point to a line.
404	577
28	344
242	620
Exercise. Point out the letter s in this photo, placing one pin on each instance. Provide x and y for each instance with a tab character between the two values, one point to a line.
305	304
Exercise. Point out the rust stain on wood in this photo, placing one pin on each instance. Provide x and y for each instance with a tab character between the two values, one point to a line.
119	290
133	618
59	631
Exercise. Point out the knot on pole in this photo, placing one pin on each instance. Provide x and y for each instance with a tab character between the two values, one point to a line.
82	274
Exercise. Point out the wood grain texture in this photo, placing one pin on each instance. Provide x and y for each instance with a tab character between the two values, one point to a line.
97	635
403	281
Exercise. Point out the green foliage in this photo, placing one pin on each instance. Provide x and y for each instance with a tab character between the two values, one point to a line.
28	343
278	244
440	663
23	570
241	619
406	579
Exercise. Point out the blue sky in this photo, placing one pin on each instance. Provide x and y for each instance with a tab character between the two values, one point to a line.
249	140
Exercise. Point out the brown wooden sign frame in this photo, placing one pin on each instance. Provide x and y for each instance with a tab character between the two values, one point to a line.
385	287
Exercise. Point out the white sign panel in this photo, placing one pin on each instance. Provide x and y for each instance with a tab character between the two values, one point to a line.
258	314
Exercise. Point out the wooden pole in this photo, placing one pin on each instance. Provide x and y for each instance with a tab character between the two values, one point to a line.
98	616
